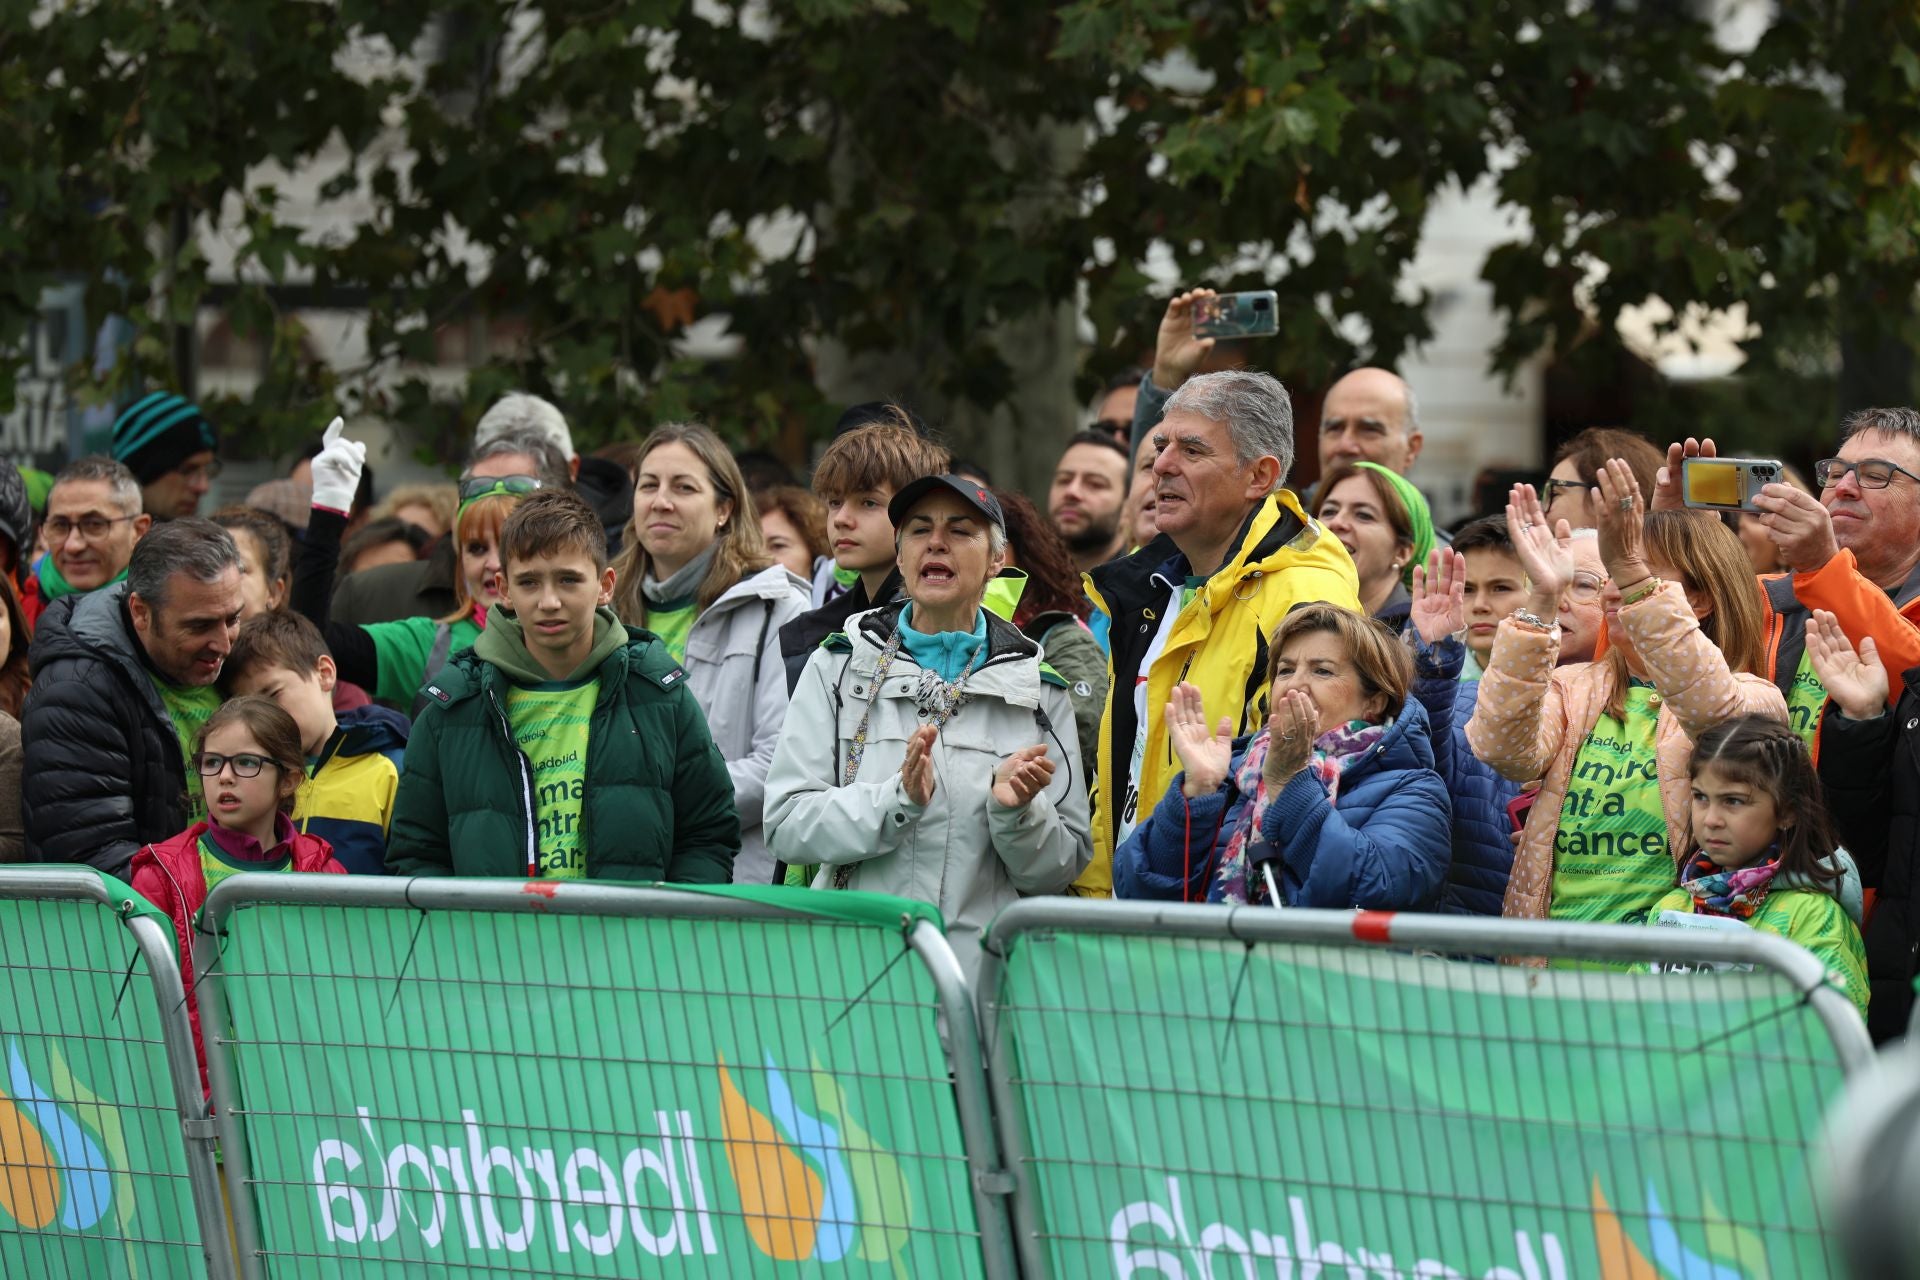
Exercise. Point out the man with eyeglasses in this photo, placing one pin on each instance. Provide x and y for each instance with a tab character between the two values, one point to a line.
424	588
93	521
169	446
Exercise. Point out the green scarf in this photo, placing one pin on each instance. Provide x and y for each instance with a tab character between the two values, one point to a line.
53	586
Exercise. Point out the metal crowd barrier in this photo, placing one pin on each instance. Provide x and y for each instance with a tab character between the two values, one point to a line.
1190	1091
106	1155
470	1077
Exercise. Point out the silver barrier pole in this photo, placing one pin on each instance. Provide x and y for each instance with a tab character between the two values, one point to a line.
196	1128
1006	1108
959	1033
236	1166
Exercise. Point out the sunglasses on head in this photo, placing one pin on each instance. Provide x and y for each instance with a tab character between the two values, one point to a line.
475	488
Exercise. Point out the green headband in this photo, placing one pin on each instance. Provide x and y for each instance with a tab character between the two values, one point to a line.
1419	515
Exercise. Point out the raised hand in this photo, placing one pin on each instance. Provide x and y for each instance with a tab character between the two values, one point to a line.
1799	524
1857	682
1022	776
1549	564
1291	729
337	468
1177	353
1206	756
916	771
1667	493
1440	595
1617	506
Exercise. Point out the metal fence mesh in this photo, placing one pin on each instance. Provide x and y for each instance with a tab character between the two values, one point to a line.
1194	1107
452	1093
93	1174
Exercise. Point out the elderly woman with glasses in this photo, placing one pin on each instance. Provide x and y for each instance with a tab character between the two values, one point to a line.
1611	739
394	660
929	753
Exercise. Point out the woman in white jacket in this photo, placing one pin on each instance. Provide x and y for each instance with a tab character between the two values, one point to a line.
695	571
952	771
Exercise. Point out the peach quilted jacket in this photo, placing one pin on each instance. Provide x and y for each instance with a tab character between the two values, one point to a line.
1532	717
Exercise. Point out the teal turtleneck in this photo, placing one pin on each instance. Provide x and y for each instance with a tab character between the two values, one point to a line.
945	653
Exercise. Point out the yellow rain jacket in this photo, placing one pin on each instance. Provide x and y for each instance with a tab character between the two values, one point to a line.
1218	643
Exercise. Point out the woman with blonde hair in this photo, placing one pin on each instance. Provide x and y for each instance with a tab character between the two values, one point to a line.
1613	738
695	572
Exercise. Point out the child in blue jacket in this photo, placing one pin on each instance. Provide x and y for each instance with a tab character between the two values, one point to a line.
1335	804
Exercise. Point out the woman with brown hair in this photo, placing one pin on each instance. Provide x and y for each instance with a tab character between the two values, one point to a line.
695	571
1335	804
1576	470
1612	738
794	523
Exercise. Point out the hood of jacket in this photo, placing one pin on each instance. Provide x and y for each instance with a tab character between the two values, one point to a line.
504	644
775	582
95	625
179	859
1011	670
1276	526
371	729
607	487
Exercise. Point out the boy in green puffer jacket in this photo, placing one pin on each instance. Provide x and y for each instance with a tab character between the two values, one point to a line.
563	745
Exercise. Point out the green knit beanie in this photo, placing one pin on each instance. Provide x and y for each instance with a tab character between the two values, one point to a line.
1419	516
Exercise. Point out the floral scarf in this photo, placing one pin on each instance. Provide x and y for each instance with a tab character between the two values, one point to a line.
1737	892
1332	752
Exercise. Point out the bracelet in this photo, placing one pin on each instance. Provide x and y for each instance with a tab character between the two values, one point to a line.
1641	592
1521	615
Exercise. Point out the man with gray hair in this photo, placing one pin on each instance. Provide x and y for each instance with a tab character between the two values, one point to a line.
604	485
1234	553
123	678
93	519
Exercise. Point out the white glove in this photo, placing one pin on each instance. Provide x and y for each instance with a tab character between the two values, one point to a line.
336	470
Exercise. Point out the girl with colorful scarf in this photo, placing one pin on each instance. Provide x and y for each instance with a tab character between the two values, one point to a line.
1335	804
1762	850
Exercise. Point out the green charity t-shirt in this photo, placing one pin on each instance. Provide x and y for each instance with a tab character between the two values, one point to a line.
1611	863
216	864
550	724
401	648
673	626
189	707
1805	699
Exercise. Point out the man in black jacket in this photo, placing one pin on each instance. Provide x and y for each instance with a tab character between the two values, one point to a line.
123	678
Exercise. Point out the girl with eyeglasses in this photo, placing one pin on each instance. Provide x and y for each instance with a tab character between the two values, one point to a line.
1612	738
250	764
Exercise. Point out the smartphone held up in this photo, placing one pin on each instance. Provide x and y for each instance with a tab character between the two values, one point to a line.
1237	315
1727	484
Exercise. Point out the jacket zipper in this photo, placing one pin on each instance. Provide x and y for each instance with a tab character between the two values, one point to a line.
526	785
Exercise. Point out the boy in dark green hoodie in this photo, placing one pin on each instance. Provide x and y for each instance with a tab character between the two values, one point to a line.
563	745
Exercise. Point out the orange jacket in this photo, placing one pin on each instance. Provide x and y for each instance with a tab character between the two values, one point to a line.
1861	607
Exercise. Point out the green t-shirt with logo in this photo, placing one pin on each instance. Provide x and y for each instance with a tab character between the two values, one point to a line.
1805	699
550	724
1611	863
189	707
673	625
217	864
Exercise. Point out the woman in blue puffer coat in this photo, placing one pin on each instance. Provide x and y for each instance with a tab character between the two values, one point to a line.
1335	804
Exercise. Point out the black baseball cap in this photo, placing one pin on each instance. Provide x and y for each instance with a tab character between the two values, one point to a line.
977	496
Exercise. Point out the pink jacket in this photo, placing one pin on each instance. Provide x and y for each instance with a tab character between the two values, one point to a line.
1532	717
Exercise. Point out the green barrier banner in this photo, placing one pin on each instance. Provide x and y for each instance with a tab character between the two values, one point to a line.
93	1176
1199	1109
595	1096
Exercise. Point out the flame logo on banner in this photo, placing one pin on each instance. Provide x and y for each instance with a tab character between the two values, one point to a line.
52	1166
801	1187
1621	1258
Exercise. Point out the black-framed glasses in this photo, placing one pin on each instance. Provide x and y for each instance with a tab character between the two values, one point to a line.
1553	488
1873	473
475	488
245	765
92	528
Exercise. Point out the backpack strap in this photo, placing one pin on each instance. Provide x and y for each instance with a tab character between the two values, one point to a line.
760	650
436	661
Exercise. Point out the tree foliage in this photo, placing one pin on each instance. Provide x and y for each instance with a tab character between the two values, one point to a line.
594	177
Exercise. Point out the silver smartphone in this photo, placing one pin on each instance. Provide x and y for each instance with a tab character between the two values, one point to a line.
1727	484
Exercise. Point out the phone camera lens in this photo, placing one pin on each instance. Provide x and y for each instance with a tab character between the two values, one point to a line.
1259	304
